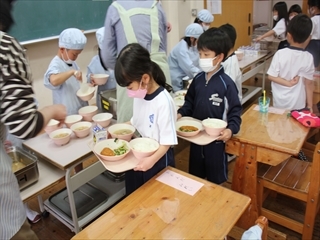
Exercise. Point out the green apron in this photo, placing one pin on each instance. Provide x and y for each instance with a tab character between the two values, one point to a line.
124	103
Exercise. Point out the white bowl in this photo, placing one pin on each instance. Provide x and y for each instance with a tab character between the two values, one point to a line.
181	93
214	126
100	79
81	129
52	125
63	139
192	123
88	112
179	101
87	94
143	147
239	54
72	119
114	131
103	119
112	144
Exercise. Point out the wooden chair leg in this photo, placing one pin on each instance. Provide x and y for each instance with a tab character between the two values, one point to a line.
262	222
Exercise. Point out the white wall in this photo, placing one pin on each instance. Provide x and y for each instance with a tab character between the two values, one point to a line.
40	54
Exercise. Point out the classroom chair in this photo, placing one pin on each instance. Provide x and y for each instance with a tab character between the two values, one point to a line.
296	179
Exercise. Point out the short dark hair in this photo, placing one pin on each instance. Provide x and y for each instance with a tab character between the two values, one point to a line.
134	61
230	31
314	3
295	8
215	40
300	28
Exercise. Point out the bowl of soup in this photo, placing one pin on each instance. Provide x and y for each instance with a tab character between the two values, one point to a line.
103	119
122	131
86	93
52	125
112	149
72	119
143	147
180	93
100	79
81	129
178	101
214	126
61	136
88	112
188	128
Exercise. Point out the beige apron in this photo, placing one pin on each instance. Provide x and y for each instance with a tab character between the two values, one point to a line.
124	103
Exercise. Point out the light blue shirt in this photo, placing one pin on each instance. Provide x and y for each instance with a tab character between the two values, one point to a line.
66	93
95	67
183	61
114	36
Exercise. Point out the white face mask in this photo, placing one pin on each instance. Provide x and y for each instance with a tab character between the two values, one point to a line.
291	17
68	61
206	64
275	17
205	27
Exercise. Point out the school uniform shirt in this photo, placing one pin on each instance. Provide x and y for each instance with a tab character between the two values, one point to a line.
155	116
183	61
280	29
288	63
66	93
232	69
315	33
208	98
16	97
95	67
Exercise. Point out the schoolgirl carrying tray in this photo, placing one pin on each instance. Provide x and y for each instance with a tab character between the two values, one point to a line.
127	163
201	138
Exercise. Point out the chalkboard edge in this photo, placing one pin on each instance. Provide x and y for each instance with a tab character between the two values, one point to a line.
28	42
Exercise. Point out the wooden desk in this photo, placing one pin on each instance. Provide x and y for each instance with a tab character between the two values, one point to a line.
264	137
158	211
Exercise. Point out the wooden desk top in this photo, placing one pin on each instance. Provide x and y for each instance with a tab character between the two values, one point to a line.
158	211
272	131
247	61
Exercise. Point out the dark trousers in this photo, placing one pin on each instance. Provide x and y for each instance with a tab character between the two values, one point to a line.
314	48
135	179
209	161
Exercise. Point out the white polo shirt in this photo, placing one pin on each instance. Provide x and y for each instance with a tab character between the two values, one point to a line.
155	117
280	29
288	63
315	34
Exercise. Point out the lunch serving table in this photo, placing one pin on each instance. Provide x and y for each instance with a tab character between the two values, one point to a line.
256	64
171	205
268	138
66	158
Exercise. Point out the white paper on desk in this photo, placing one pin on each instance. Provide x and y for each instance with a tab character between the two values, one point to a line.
180	182
272	110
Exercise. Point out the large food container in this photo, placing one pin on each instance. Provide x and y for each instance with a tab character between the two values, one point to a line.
26	165
109	102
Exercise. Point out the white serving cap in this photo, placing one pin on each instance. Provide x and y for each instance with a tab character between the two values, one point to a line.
99	36
205	16
193	30
72	38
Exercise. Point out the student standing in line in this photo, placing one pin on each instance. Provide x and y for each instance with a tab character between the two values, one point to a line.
95	67
280	22
294	10
207	97
231	63
20	115
63	76
154	113
314	45
123	25
184	57
204	18
291	70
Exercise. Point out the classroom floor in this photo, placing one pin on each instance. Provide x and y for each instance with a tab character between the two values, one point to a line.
51	228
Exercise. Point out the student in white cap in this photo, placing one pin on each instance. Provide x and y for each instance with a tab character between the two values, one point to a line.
63	76
95	67
184	57
204	18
